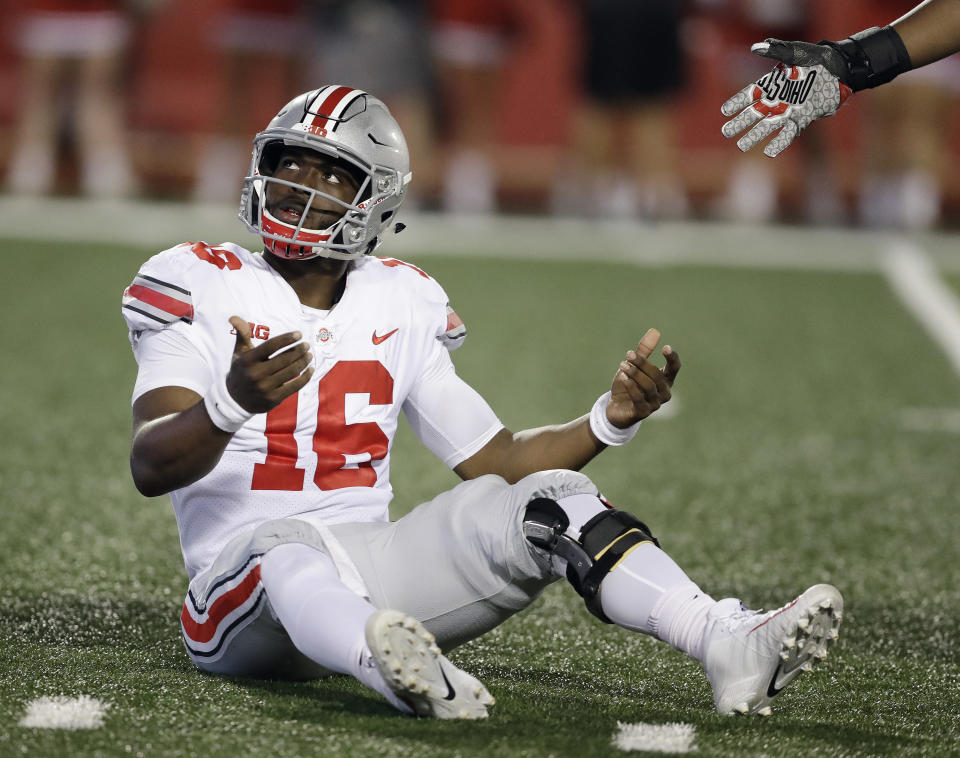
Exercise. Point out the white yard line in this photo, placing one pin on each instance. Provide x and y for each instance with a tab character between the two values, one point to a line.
916	281
945	420
82	712
161	225
655	738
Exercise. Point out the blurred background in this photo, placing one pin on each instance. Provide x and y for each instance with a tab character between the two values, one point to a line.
575	190
584	108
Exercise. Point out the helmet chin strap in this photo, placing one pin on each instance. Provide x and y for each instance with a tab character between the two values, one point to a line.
281	237
302	232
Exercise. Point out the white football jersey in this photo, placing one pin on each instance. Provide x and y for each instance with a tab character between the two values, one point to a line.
326	450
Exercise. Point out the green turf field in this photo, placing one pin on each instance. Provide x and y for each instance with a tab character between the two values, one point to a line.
787	463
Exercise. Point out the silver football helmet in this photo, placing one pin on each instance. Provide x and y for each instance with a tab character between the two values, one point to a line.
356	129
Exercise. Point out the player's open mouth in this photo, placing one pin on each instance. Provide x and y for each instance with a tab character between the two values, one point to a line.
290	213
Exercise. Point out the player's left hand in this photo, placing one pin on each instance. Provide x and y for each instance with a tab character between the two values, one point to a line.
808	83
639	387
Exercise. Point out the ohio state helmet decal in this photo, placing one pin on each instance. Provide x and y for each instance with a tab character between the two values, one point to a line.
325	109
355	128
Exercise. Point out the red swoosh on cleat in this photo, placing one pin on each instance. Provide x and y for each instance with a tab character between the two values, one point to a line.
377	340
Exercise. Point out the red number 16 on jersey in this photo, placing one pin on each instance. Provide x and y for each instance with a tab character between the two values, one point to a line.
333	438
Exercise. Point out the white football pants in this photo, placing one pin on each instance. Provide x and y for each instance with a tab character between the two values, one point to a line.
459	563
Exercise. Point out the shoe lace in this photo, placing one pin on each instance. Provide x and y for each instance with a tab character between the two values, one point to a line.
731	621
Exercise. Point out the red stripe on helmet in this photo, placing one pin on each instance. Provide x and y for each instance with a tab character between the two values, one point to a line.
326	108
159	300
221	608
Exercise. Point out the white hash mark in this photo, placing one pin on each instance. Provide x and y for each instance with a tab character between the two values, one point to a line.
655	738
916	281
945	420
60	712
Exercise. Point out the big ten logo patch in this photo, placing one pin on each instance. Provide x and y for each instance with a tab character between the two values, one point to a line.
318	130
257	331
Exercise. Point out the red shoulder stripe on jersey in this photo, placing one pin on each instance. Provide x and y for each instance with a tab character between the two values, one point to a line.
453	320
176	308
220	609
162	285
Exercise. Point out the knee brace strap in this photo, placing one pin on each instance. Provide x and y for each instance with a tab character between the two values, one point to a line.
604	541
545	525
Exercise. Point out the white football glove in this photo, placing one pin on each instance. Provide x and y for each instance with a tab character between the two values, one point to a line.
787	99
810	82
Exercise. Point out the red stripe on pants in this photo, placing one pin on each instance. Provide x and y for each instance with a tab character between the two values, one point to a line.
221	608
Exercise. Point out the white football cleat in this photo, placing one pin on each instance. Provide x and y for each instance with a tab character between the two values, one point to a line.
749	657
410	662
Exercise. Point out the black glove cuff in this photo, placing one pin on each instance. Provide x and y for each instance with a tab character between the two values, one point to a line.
873	57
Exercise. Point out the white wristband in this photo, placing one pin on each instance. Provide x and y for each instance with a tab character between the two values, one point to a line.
606	432
225	412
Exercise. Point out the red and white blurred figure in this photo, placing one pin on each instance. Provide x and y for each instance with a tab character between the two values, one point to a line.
85	39
906	133
625	152
250	36
471	41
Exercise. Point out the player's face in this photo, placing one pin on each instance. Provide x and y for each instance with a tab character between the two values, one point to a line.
314	170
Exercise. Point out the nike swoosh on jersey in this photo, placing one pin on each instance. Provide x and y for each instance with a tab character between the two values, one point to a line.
377	340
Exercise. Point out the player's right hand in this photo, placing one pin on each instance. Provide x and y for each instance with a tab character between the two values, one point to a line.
262	377
807	84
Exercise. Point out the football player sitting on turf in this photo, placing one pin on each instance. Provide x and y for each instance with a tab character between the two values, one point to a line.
268	394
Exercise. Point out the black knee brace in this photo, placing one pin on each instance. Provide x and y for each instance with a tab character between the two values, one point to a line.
604	541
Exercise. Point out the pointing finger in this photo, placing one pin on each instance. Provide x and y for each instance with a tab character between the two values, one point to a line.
648	343
243	335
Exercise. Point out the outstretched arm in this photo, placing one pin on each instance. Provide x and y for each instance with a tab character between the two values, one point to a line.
639	388
811	81
930	31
